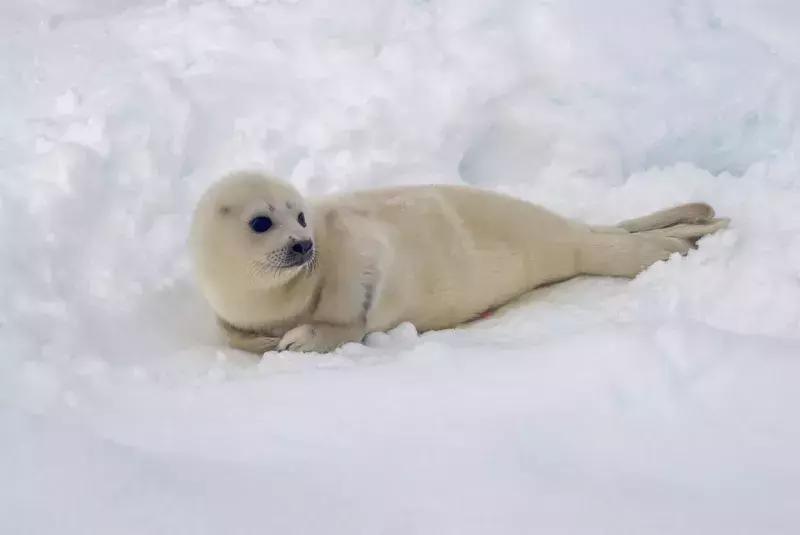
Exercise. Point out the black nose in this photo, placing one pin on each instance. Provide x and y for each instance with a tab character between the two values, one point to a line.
303	246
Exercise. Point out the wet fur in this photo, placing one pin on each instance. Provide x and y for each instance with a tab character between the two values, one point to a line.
435	256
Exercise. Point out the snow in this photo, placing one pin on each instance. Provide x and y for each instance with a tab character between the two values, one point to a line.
663	405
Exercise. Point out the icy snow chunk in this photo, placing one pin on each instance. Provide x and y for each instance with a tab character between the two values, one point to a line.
67	103
403	336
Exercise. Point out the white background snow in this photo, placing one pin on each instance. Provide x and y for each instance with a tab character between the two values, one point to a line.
665	405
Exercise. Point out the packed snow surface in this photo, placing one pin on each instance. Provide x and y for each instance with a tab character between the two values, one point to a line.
663	405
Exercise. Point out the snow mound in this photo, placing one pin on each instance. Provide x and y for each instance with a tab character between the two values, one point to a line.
663	405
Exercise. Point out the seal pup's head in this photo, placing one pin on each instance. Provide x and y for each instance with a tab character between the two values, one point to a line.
252	231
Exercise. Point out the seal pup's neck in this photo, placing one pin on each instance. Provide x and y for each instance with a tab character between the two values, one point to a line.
270	308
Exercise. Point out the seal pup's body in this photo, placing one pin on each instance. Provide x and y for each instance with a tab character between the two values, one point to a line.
434	256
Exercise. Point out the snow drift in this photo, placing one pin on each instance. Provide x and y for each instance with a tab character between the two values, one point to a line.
661	405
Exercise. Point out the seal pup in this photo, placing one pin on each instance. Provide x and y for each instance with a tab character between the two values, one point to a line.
282	272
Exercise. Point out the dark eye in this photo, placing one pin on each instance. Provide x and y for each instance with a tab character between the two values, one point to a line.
260	224
301	219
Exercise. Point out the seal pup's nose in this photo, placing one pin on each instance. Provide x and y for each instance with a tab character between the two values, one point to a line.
303	246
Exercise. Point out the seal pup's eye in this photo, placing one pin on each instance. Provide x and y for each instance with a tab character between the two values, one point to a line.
301	219
260	224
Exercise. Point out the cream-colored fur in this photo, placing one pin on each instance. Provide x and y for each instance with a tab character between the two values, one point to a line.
434	256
